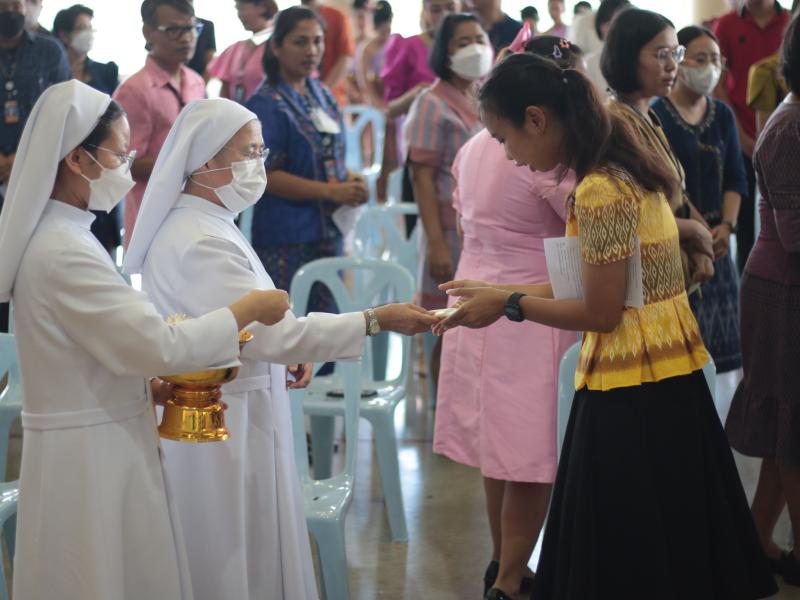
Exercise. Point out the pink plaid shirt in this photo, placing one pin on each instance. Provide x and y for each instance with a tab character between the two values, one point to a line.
152	103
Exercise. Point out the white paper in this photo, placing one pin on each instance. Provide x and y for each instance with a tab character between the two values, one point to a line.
563	256
345	218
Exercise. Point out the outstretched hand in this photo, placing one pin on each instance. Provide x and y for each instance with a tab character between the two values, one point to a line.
408	319
478	307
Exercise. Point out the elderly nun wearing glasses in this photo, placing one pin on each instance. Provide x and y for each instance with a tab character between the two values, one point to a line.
95	518
194	259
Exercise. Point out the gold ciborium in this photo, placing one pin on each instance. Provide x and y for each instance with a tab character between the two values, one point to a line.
195	413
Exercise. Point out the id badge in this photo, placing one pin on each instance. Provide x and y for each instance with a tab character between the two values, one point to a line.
323	122
11	112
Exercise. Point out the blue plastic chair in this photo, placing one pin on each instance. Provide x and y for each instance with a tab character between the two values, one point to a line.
379	398
357	118
566	387
10	410
380	234
394	187
326	501
246	223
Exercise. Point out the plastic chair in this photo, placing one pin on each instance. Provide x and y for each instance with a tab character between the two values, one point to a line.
10	409
379	234
357	118
326	501
246	223
379	398
394	187
566	387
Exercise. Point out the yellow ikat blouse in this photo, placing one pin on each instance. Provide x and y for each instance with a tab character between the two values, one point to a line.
662	339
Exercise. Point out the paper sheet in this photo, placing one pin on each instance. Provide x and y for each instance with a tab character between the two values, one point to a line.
345	218
563	256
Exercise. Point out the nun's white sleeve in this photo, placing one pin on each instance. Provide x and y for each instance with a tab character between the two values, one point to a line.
121	328
214	272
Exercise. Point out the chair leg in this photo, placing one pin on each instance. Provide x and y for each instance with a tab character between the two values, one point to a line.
389	470
322	445
329	537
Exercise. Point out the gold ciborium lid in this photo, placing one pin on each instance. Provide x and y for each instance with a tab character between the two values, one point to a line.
195	413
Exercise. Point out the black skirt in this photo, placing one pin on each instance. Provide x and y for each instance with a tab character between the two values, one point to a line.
648	502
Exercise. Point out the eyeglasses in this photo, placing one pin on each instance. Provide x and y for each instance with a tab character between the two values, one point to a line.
126	159
261	154
665	54
176	32
704	59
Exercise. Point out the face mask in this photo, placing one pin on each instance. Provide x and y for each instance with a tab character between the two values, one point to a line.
701	80
248	185
83	41
106	191
11	23
472	62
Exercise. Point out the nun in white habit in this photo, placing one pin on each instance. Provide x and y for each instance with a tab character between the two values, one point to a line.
95	519
239	501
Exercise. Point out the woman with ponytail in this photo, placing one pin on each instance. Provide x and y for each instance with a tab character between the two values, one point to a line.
647	496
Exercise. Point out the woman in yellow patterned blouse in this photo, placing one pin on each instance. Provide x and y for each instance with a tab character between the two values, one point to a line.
647	500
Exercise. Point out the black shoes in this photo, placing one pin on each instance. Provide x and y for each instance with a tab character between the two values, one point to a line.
490	576
790	568
525	587
495	594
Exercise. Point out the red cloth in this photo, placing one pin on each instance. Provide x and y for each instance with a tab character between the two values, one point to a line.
744	43
339	41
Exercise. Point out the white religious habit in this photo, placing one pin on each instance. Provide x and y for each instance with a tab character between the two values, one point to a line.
239	501
95	518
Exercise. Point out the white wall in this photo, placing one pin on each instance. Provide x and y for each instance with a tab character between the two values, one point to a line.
119	35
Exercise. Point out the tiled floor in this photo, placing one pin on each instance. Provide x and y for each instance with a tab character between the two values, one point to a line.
448	546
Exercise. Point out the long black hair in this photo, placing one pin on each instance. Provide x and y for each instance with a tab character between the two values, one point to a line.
593	137
286	22
631	30
439	59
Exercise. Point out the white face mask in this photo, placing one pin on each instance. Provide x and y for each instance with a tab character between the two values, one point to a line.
83	41
472	62
106	191
248	185
701	80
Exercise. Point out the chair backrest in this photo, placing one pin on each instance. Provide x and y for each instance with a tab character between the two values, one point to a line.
380	233
394	187
8	358
566	387
357	118
351	382
246	223
378	281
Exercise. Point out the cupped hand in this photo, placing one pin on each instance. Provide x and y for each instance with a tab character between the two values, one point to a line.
407	319
479	307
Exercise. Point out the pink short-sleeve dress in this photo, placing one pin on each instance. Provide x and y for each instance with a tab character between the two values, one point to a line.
496	407
240	67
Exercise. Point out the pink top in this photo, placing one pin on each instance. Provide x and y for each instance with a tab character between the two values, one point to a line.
405	66
152	104
497	386
240	67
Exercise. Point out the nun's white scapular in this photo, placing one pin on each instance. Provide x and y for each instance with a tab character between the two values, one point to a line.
239	501
95	519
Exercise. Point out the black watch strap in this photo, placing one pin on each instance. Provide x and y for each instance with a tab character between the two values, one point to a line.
512	308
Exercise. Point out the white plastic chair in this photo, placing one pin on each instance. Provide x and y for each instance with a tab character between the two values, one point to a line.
394	187
357	118
326	501
10	409
379	398
566	387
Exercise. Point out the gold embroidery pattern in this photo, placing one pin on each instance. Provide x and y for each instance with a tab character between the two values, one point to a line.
662	339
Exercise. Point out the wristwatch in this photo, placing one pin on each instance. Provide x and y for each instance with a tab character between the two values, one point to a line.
373	327
512	308
730	224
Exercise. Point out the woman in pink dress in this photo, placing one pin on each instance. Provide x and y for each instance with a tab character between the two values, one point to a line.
497	389
405	70
239	66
